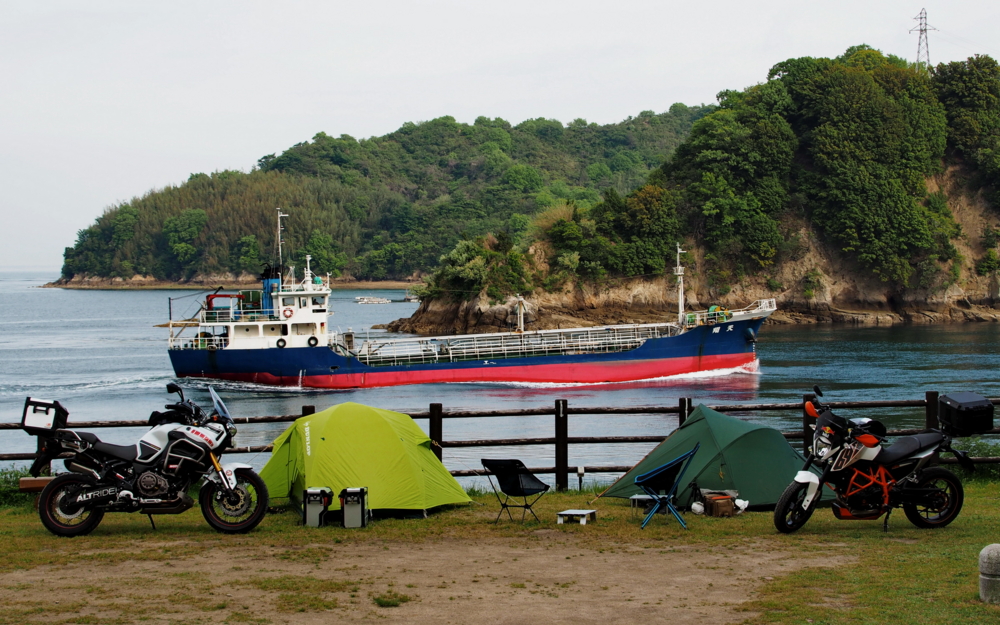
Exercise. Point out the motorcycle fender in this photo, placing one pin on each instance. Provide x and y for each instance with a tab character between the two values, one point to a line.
229	470
810	478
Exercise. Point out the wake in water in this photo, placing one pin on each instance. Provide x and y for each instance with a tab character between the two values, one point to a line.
52	389
751	368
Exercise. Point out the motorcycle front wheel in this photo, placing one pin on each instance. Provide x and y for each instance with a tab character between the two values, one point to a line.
239	511
60	522
789	515
941	507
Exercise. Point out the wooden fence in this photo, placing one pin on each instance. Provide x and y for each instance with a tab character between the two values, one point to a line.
561	440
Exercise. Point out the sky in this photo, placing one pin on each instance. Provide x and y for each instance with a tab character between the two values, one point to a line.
104	101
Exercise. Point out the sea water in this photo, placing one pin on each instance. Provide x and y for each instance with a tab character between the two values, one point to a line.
99	353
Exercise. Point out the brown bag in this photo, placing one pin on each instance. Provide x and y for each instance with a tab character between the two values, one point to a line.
719	505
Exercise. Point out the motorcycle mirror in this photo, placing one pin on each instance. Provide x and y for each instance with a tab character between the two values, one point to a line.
174	388
816	390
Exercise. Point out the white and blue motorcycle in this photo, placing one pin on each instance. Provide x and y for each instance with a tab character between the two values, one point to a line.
150	477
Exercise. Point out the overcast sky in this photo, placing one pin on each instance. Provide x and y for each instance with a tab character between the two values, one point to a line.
103	101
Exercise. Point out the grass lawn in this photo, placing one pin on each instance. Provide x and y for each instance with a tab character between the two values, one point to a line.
908	575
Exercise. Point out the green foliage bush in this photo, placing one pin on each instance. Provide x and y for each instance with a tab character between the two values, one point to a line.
10	494
988	264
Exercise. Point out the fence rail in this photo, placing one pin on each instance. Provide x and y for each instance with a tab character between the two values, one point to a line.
561	440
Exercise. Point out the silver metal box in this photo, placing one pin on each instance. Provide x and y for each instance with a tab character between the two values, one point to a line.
315	503
354	505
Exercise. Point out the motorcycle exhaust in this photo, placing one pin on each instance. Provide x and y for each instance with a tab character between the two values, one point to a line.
175	506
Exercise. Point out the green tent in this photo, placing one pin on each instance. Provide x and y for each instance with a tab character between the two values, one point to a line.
349	446
736	455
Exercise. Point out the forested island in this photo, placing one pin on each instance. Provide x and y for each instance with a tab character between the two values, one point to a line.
379	208
846	187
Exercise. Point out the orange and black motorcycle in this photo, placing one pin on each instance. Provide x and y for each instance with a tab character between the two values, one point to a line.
870	480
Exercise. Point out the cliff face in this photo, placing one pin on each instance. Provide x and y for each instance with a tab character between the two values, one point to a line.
820	284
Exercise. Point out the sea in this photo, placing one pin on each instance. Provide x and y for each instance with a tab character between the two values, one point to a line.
100	354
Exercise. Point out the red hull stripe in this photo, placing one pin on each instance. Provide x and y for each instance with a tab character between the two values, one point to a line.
583	373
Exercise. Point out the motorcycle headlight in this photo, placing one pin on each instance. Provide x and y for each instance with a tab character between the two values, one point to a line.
822	447
231	429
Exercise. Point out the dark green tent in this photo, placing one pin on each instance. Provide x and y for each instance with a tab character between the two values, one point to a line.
736	455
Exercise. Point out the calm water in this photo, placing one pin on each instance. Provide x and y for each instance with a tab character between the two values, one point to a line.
98	353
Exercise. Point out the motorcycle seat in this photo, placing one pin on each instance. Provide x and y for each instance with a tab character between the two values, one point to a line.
122	452
83	436
908	445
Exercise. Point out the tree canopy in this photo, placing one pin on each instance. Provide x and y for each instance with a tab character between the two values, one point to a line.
845	144
379	208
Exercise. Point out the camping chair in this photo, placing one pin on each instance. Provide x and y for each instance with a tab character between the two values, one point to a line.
514	480
665	478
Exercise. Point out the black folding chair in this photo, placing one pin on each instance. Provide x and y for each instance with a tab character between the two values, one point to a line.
665	478
514	480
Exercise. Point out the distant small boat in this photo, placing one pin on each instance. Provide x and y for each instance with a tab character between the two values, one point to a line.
371	299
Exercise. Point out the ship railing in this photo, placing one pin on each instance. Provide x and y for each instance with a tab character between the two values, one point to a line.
198	342
722	315
302	287
231	316
510	345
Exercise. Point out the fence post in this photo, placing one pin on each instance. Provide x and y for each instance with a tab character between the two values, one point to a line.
562	446
683	410
931	410
434	429
808	427
308	410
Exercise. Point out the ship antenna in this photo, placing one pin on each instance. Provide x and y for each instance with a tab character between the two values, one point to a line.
280	228
679	272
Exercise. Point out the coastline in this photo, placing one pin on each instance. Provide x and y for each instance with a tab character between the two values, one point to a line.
155	285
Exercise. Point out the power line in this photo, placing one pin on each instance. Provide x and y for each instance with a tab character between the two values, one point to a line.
923	50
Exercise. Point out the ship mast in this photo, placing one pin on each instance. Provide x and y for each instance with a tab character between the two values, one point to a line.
679	272
280	228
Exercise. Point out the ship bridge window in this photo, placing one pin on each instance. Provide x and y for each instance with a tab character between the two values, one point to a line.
319	301
303	302
287	301
304	329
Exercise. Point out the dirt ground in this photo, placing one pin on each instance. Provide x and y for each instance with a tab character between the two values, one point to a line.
508	581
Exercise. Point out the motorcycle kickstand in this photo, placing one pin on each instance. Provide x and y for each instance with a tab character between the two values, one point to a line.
885	522
151	521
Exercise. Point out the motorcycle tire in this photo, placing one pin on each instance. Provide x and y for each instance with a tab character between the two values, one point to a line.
56	520
240	514
943	507
788	513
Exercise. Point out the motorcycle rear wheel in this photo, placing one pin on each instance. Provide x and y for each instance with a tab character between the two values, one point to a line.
56	520
239	514
788	513
942	508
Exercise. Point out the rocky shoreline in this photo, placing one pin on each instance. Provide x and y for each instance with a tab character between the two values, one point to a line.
655	301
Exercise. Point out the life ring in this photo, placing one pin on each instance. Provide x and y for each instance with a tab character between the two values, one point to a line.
288	312
280	343
313	341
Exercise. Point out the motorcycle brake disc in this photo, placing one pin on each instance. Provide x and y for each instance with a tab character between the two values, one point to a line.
240	505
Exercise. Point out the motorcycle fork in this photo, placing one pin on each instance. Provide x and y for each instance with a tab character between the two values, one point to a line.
222	474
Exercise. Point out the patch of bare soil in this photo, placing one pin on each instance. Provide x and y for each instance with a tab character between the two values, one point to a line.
455	581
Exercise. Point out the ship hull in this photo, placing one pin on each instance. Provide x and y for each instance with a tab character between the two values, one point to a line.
702	348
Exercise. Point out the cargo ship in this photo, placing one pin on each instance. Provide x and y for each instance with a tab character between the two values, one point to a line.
279	335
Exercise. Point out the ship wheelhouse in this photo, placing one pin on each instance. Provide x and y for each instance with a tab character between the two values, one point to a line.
281	314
